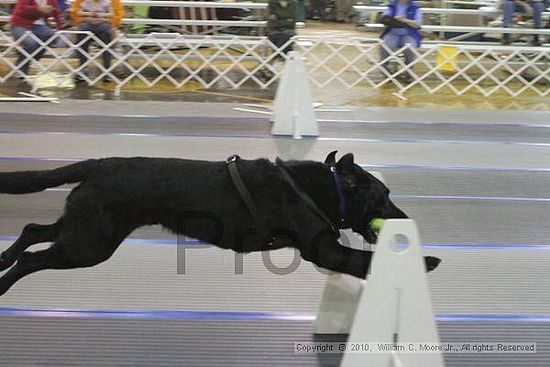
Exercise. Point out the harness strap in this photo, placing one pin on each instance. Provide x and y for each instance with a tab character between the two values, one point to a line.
241	188
341	198
249	201
305	197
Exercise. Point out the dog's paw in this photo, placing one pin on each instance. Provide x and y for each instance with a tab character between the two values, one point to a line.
3	288
431	262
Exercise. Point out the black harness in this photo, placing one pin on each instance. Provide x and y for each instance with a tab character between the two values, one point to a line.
253	210
241	187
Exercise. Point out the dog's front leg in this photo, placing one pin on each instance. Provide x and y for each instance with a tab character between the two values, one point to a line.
331	255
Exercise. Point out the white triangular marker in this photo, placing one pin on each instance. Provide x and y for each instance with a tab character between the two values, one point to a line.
293	110
395	305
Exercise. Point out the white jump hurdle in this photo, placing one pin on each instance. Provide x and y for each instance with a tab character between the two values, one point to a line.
394	307
342	291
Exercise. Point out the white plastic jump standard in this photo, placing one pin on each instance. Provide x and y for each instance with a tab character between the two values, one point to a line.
293	110
395	306
342	291
340	296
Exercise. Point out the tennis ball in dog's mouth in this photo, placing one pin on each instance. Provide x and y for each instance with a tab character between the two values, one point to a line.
376	224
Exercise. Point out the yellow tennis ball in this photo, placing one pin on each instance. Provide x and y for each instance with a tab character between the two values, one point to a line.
376	224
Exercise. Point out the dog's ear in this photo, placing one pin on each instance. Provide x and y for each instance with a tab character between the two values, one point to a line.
330	160
346	168
346	164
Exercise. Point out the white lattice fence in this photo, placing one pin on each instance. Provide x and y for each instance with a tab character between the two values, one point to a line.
174	58
206	60
461	68
232	61
61	50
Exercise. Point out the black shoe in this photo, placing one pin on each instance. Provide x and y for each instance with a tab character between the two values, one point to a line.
405	78
265	75
23	81
107	79
79	78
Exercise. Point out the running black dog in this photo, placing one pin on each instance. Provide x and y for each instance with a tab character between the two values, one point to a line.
301	204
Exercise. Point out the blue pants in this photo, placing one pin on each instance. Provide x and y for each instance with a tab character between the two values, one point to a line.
395	43
301	11
101	31
510	7
42	32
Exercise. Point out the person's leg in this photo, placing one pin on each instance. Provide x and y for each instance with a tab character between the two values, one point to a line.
538	8
301	11
344	10
274	39
287	35
508	9
279	39
46	35
340	10
318	9
44	32
410	55
392	43
103	32
84	27
27	43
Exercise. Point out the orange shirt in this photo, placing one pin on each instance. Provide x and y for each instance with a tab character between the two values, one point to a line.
116	10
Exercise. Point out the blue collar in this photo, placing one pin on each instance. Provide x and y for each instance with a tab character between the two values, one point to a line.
342	199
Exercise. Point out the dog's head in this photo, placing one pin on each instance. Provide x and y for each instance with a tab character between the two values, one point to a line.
363	196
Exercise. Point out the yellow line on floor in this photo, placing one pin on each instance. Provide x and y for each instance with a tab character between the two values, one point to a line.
234	96
3	95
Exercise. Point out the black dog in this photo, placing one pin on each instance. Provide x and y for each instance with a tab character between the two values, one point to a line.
302	204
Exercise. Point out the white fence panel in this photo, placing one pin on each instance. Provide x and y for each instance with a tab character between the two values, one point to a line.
236	60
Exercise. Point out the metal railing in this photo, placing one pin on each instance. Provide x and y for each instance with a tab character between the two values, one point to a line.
473	30
486	11
180	4
210	5
210	23
208	61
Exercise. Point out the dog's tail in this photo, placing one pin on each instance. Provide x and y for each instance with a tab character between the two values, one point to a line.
26	182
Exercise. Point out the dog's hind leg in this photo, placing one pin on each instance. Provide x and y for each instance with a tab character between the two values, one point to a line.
30	262
58	256
32	234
